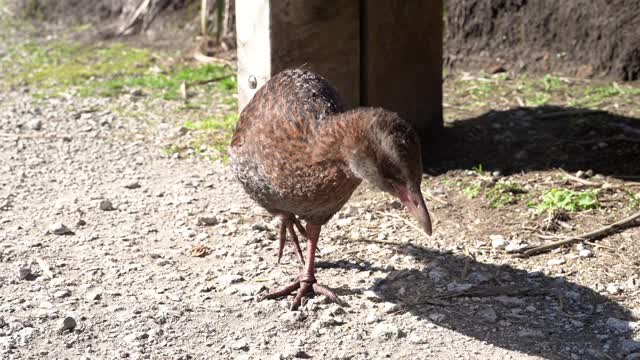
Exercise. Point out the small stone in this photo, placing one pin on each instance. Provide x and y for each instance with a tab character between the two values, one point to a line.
488	315
386	331
372	318
136	92
344	222
585	253
496	173
208	221
68	323
437	317
619	326
132	185
59	229
35	125
390	307
614	289
498	241
62	294
24	272
634	356
371	295
531	309
418	338
630	346
260	226
580	174
229	279
240	345
556	261
515	247
93	295
437	275
25	335
106	205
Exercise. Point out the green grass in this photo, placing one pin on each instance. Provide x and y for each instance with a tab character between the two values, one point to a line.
634	199
568	200
472	191
504	193
213	132
478	170
107	70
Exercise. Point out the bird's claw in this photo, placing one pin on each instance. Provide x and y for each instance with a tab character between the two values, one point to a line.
303	286
286	225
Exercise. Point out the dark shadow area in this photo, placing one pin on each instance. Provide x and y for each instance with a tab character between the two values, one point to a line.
525	139
511	308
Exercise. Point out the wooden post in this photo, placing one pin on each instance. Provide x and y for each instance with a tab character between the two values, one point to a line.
377	53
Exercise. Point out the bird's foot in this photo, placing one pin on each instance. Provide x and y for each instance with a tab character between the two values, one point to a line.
286	225
304	285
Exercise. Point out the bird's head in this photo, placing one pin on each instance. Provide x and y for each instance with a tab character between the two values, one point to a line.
387	154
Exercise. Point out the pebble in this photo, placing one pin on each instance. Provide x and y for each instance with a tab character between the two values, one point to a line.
437	317
372	318
498	241
614	289
389	307
24	272
619	326
68	323
556	261
229	279
35	125
106	205
634	356
59	229
93	295
488	315
260	226
62	294
386	331
418	338
585	253
240	345
132	185
208	221
630	346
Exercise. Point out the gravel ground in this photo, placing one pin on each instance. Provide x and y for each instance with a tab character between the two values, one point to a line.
110	249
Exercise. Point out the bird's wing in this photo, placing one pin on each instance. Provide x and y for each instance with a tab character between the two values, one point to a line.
288	107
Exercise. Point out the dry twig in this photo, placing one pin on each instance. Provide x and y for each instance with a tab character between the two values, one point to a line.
615	227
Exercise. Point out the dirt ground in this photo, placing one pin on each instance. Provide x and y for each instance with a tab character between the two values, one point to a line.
580	37
112	247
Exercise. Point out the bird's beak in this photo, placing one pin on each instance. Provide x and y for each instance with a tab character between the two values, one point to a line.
411	197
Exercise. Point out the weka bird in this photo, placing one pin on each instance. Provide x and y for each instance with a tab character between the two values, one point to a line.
298	154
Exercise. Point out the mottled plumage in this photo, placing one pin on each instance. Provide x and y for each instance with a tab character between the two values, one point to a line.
297	152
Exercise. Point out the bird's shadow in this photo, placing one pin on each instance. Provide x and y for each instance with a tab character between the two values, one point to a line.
530	312
524	139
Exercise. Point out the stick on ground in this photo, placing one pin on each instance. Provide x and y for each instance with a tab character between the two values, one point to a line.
615	227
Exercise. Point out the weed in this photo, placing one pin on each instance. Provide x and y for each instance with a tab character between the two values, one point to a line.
568	200
478	170
504	193
634	199
472	191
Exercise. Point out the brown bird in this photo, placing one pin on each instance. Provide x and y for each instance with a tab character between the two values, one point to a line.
300	155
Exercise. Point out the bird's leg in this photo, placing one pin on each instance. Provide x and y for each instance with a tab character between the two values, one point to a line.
306	282
286	224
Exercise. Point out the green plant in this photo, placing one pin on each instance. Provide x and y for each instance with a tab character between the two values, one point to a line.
472	191
478	170
634	199
504	193
568	200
